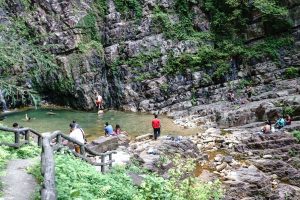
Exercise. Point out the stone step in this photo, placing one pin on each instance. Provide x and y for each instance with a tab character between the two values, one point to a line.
271	144
283	170
271	95
292	150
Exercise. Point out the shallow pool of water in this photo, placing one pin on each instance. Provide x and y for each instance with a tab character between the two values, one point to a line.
93	125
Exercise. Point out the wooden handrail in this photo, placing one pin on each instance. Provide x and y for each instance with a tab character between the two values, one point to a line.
7	129
48	191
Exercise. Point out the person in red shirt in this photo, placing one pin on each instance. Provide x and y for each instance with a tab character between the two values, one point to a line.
156	127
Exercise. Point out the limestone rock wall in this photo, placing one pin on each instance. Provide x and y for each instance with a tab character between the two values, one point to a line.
93	64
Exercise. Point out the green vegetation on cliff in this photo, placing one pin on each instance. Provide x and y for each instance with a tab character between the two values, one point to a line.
129	8
19	53
225	42
230	20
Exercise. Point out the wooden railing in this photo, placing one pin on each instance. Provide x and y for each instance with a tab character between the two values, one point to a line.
50	143
21	131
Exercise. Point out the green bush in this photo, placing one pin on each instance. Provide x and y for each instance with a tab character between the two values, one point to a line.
296	134
129	8
243	83
189	188
292	72
287	110
75	179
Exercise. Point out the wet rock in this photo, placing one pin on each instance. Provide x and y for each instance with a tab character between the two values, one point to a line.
150	155
123	140
104	144
221	167
213	131
247	182
219	158
228	159
283	170
267	156
144	137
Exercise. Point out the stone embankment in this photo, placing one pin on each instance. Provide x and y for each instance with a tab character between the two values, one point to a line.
250	165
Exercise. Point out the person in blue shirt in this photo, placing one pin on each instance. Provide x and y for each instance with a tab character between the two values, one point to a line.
108	129
280	123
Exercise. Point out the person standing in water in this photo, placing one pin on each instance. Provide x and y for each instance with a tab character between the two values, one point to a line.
156	127
99	101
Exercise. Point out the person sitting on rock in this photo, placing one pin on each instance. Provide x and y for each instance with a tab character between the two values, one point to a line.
230	96
108	129
280	123
118	130
288	120
266	129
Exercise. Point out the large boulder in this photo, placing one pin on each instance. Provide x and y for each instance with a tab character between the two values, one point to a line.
104	144
155	155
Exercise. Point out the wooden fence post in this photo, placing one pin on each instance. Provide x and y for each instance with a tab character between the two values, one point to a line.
110	159
27	136
58	139
48	191
82	150
103	162
40	140
17	137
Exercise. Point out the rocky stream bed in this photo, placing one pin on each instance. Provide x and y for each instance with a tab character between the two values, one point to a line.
250	165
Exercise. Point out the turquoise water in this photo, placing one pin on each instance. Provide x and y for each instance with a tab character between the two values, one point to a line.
134	123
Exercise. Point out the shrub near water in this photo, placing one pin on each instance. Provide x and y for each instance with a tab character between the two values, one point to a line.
76	179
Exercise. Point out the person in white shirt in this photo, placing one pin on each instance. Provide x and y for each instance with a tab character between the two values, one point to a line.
77	134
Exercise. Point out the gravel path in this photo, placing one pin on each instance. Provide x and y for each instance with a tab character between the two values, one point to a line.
18	184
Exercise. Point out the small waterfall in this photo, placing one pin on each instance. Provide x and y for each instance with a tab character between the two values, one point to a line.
2	101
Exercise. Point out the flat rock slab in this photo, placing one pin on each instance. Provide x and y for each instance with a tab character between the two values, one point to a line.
18	184
104	144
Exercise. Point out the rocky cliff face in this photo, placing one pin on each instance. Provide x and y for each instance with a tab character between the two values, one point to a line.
124	51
